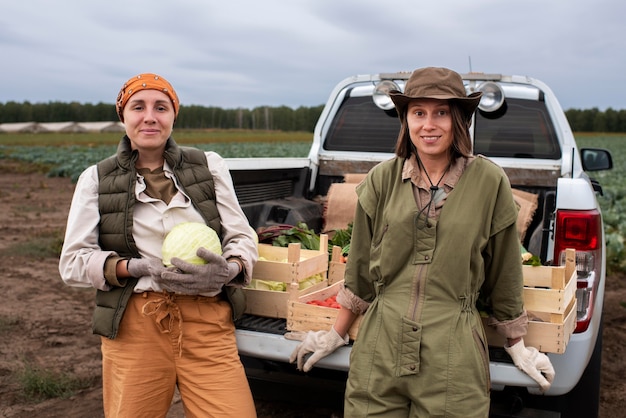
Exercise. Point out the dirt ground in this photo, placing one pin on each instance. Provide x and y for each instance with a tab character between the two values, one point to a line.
45	324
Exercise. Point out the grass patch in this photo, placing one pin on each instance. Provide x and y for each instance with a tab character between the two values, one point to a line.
43	246
23	167
39	383
7	323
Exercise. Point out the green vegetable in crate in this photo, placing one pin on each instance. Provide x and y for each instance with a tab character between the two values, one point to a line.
528	258
184	240
310	281
341	238
273	285
278	286
283	235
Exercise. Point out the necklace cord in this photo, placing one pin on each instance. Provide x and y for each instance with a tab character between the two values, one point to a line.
433	189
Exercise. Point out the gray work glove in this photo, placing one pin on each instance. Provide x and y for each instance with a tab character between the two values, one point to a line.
535	364
192	279
320	343
142	267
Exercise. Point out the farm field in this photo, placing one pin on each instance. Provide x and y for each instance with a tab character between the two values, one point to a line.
46	345
66	155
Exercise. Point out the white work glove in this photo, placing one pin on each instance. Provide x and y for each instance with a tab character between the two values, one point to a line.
535	364
141	267
320	343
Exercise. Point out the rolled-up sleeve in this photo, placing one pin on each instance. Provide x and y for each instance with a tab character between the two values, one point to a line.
81	263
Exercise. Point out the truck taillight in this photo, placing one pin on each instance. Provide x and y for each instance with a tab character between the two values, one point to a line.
581	230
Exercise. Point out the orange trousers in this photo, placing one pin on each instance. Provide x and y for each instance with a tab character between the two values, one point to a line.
168	340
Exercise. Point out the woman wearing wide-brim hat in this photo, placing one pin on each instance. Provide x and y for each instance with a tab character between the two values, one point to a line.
434	228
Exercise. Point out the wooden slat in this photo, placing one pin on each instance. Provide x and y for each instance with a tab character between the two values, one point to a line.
291	263
543	276
550	289
550	300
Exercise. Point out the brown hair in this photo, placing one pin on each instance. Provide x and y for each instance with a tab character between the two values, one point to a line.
461	139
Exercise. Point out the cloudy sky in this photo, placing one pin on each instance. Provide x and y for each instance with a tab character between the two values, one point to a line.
248	53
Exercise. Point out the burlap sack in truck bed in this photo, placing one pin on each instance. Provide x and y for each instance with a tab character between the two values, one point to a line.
341	203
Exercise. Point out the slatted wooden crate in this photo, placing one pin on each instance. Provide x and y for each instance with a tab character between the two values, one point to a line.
547	333
550	300
302	316
290	265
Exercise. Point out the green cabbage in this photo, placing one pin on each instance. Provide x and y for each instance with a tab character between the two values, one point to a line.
310	281
259	284
184	240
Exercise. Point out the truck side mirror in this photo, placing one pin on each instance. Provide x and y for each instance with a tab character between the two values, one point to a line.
596	159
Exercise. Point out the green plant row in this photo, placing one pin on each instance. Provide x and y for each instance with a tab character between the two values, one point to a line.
70	161
182	136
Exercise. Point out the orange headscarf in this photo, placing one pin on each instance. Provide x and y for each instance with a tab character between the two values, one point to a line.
145	81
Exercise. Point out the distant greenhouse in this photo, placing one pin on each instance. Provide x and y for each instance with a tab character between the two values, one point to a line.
101	126
35	127
18	127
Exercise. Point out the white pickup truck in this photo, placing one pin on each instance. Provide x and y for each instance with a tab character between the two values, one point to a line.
520	126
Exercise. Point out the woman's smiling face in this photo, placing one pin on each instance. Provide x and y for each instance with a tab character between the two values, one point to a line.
149	119
430	127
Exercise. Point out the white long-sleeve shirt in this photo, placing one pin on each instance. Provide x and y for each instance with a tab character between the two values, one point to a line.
82	260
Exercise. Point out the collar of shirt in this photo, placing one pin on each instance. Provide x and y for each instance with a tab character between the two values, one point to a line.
411	171
178	197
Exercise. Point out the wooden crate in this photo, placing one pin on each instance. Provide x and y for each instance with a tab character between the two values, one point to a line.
548	289
302	316
547	334
550	300
290	265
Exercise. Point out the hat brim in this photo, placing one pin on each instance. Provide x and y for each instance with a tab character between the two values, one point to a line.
468	104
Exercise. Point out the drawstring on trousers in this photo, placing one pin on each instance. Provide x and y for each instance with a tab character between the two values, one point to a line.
161	309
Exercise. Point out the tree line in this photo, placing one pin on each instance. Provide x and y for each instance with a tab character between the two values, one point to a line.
281	118
595	120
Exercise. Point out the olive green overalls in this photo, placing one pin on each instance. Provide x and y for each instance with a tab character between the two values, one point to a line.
421	349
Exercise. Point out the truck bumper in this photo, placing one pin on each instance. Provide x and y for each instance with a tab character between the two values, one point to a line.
274	347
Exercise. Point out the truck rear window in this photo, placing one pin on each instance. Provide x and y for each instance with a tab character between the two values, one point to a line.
360	126
525	130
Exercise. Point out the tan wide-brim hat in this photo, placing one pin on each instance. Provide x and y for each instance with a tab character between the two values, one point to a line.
435	83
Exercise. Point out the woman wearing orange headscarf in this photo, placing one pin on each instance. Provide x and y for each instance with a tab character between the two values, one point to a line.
161	327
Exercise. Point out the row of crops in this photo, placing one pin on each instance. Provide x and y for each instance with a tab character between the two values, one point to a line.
70	160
